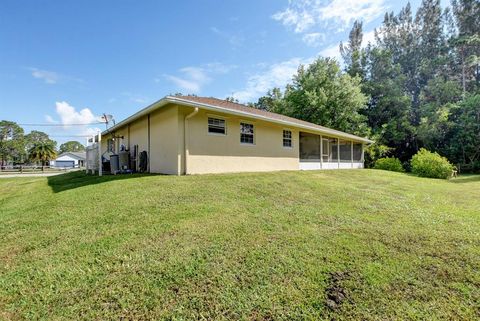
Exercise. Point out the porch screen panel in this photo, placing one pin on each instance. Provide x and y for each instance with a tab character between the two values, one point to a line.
357	152
309	146
345	151
326	149
333	150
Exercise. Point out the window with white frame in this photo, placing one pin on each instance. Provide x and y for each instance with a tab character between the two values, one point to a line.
217	126
246	133
287	138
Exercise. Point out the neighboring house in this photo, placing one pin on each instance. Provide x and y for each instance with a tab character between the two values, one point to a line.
69	159
195	135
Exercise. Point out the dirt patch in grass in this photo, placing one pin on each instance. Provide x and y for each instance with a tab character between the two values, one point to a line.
336	293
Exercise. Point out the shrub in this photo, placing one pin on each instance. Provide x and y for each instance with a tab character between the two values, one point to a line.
389	164
428	164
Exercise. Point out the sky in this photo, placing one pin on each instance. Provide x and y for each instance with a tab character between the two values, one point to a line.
68	62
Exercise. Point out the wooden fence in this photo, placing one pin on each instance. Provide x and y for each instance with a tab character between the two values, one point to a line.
15	169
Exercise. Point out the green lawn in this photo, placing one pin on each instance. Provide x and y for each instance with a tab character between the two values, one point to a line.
343	245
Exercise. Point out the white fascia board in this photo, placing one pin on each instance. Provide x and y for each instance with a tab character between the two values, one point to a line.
326	130
170	99
71	156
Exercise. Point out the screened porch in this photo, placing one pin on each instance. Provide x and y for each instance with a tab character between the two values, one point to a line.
324	152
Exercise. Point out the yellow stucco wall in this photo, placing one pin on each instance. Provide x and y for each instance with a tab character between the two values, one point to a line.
164	155
139	134
207	153
164	141
210	153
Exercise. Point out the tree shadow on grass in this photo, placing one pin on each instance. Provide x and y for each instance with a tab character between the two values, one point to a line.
64	182
466	179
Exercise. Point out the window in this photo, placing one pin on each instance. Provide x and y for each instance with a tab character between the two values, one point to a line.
110	145
287	138
246	133
216	126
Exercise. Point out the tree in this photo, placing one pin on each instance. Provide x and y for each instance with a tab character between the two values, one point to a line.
464	136
42	152
467	41
420	79
400	36
36	136
322	94
389	108
11	142
438	99
231	99
352	53
270	101
71	146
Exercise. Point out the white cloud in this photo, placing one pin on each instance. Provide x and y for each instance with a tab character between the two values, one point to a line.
302	15
50	119
313	39
69	115
297	15
196	74
90	131
275	75
368	37
50	77
188	85
346	12
280	74
332	51
193	79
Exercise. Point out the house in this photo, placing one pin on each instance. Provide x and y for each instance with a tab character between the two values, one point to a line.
196	135
69	160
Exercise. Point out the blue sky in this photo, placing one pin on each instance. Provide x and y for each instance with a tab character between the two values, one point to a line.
67	62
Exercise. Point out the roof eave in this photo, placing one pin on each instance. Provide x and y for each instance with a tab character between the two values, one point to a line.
328	131
171	99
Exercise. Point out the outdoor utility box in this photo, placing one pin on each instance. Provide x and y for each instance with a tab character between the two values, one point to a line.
114	164
123	158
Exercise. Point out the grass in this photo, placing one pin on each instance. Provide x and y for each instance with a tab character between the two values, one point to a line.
343	245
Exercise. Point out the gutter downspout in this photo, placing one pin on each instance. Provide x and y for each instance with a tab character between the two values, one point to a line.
185	137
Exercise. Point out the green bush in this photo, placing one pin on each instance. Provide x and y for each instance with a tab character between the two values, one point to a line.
428	164
389	164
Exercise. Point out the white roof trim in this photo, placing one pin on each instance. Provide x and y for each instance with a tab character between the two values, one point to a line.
72	156
170	99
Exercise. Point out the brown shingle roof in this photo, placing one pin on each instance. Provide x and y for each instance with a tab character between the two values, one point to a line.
228	105
231	107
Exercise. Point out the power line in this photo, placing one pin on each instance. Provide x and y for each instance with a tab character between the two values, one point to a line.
86	136
62	125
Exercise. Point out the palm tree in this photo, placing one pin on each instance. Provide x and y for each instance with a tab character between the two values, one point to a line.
42	152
